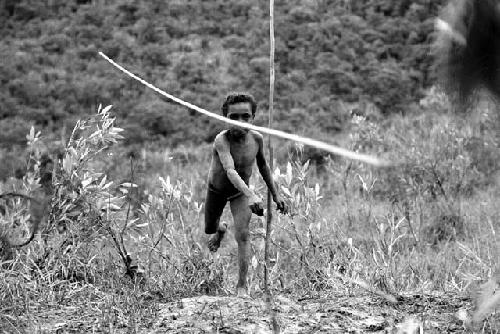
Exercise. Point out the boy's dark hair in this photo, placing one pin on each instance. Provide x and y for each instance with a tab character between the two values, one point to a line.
235	98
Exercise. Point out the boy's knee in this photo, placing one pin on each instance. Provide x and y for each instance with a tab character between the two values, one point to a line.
244	217
242	235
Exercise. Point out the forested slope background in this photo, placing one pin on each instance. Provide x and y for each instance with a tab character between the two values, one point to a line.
117	193
331	57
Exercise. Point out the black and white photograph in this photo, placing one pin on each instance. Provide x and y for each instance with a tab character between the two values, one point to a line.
249	166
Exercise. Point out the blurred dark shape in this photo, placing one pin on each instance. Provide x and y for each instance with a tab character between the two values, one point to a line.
46	171
467	50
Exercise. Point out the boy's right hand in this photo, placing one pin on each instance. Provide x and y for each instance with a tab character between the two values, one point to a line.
255	204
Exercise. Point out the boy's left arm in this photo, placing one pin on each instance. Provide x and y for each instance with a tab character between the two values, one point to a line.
265	171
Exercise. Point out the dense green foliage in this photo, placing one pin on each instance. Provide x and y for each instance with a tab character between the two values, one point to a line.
328	53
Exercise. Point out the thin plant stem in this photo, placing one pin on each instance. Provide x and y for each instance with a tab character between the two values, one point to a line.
269	216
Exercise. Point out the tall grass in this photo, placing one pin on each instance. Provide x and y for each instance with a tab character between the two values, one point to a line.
125	228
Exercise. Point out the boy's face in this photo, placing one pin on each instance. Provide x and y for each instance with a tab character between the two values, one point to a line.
240	112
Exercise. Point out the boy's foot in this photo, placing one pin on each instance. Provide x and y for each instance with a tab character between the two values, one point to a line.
242	292
214	241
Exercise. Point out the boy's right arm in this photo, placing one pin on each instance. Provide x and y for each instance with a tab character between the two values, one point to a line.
224	153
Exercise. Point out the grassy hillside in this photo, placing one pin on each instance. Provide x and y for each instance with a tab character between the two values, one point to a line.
122	232
327	53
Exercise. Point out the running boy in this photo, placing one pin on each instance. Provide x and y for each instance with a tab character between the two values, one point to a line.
234	153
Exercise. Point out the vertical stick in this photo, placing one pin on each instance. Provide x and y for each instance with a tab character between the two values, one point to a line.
269	217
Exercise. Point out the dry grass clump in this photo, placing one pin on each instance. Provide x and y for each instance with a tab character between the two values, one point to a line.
123	231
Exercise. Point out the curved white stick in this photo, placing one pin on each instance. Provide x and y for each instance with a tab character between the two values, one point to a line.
277	133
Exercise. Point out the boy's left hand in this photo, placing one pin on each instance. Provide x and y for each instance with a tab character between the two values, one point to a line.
281	205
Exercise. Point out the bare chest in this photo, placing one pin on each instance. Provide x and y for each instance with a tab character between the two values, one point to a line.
244	153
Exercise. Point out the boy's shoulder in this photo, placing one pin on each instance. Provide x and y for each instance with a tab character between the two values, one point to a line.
221	141
257	135
221	136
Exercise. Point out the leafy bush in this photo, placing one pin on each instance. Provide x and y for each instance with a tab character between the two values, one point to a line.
94	221
124	223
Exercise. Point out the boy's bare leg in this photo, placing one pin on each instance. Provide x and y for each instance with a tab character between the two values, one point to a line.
241	215
214	240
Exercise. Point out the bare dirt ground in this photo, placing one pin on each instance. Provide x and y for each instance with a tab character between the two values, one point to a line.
332	314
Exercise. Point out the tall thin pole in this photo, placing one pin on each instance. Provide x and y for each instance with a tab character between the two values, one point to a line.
269	143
